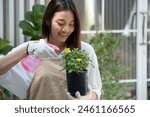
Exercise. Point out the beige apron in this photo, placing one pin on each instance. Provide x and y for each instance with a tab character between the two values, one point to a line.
49	82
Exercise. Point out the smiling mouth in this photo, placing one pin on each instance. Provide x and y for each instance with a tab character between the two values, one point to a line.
63	35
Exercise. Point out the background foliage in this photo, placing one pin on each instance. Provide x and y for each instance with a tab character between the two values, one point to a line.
106	46
31	26
5	47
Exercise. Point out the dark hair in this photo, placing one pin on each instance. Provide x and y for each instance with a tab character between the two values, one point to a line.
54	6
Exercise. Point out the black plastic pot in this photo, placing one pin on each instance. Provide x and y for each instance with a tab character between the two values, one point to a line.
77	82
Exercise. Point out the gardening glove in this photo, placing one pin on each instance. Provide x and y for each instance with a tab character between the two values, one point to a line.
41	50
79	97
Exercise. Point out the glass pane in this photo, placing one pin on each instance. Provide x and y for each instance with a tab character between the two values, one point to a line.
87	13
122	67
126	53
131	91
118	13
80	4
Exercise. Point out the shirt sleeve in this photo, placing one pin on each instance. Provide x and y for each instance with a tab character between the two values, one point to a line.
94	77
16	80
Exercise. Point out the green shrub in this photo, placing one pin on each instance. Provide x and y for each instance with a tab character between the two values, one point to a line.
31	26
105	46
4	93
5	47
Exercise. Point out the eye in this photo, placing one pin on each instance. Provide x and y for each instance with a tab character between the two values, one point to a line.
72	24
60	23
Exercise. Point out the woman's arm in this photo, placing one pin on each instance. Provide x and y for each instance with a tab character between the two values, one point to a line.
11	59
38	48
94	77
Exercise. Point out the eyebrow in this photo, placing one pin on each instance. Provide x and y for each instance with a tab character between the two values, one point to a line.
64	20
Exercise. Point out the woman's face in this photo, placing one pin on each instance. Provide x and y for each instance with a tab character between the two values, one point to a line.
62	26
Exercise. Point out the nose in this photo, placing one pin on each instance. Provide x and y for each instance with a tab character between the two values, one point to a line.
66	29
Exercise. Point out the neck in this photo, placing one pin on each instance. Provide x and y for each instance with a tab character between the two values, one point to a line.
61	46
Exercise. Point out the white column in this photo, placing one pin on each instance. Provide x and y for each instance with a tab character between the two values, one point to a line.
141	52
90	13
10	21
42	2
103	15
19	16
1	19
30	3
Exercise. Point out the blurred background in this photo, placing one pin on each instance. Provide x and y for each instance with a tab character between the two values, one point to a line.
129	19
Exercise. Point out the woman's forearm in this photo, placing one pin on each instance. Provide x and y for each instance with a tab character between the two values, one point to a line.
9	60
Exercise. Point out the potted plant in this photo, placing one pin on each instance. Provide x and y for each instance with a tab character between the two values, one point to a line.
31	26
75	62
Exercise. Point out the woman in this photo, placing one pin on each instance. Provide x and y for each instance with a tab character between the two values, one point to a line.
60	27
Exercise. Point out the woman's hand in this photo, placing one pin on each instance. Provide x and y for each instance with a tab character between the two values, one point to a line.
42	50
88	96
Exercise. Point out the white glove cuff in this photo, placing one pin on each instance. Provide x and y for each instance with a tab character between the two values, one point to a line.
30	49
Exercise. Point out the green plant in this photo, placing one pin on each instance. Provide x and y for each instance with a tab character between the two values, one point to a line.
106	46
31	26
75	60
4	93
5	47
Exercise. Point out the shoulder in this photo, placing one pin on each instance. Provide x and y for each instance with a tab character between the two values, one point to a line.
39	41
89	49
86	46
43	40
